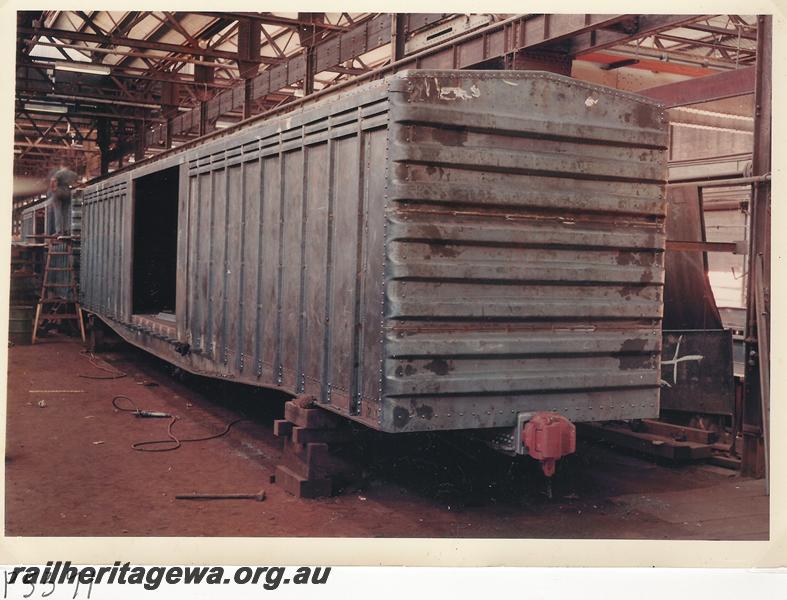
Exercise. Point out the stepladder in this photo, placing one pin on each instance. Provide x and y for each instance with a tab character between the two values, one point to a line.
58	301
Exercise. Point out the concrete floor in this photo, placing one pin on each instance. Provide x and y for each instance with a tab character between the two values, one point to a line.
70	471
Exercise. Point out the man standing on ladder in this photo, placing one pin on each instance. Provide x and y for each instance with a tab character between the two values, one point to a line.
58	301
60	182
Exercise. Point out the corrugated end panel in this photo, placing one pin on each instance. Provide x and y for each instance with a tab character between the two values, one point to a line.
524	251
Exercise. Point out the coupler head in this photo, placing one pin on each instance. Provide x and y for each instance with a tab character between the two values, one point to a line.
547	437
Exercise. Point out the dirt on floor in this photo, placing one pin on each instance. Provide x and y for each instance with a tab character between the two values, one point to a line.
71	470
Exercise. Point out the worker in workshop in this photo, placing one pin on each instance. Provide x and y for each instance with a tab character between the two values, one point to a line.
59	192
60	182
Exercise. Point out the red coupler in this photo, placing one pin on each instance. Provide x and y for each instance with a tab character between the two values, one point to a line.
547	437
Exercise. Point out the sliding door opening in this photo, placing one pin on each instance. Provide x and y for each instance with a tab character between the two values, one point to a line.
155	244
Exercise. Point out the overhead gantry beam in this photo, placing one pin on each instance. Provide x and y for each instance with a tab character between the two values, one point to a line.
116	40
488	43
271	19
637	26
704	89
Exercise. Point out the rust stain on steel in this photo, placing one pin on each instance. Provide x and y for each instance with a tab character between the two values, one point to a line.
627	291
643	116
449	137
442	249
633	357
423	411
631	258
438	366
401	416
633	345
405	371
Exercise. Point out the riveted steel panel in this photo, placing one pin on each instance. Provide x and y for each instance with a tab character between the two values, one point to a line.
249	248
524	251
105	249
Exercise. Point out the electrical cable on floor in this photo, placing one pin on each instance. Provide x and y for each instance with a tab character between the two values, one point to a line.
174	442
114	373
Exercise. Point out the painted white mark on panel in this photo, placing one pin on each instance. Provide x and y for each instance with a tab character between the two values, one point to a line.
457	93
676	358
591	101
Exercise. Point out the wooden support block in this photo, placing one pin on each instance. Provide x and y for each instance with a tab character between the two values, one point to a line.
303	435
294	457
299	468
312	418
691	434
721	446
646	443
728	462
307	460
318	460
300	486
307	467
305	470
282	428
679	432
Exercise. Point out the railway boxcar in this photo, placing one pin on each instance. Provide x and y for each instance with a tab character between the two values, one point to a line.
435	250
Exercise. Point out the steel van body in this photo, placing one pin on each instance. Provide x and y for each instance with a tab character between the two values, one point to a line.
435	250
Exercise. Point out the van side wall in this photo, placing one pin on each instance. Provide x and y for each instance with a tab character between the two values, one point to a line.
105	272
284	256
280	254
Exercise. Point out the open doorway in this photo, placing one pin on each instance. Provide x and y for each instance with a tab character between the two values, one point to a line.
155	244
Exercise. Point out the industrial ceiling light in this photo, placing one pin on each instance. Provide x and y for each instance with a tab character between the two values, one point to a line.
46	108
81	67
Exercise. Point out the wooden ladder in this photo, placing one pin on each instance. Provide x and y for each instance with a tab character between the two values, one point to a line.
50	301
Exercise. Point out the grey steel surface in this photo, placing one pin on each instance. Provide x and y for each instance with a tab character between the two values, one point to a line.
105	268
697	371
438	250
28	224
29	217
524	251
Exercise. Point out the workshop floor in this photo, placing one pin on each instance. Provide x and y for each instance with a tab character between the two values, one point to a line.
71	471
